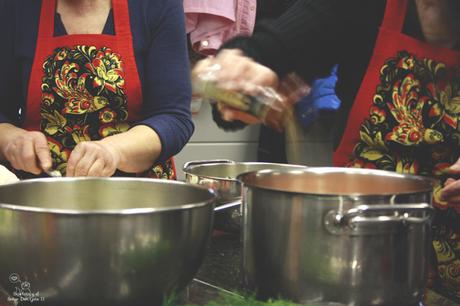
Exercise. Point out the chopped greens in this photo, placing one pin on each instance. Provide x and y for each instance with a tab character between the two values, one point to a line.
225	299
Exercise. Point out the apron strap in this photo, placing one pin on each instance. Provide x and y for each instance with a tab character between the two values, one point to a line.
395	14
46	23
121	19
123	29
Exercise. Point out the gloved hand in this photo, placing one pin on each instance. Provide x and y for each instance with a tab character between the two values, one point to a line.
322	99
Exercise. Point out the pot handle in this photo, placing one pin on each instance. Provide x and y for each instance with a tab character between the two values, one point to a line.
228	205
208	161
400	214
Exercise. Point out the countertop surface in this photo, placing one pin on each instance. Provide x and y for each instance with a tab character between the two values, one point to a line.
220	272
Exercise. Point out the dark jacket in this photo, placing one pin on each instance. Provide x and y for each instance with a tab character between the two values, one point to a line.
309	37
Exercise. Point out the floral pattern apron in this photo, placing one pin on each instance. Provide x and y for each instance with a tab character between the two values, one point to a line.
406	119
85	87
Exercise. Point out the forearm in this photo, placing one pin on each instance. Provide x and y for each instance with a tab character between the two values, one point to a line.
167	88
137	148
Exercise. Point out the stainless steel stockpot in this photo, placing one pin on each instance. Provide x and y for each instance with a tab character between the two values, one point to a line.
102	241
220	175
350	236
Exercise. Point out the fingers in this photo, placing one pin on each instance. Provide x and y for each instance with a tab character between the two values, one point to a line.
241	73
42	152
265	77
233	77
451	191
91	158
98	169
234	71
455	168
80	161
29	152
29	160
449	181
201	67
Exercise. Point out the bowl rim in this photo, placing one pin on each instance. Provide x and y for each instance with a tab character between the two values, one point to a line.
127	211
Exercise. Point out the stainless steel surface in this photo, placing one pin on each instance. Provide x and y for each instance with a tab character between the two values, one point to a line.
192	163
351	236
375	216
229	205
220	175
116	241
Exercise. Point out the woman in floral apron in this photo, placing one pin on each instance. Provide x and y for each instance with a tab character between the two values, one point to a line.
94	88
405	118
401	94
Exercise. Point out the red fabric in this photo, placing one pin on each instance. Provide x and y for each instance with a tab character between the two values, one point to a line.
389	42
121	42
79	102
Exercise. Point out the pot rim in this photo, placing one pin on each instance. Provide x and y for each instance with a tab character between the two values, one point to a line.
114	212
188	169
324	170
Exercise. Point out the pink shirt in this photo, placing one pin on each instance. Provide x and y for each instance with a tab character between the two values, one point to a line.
213	22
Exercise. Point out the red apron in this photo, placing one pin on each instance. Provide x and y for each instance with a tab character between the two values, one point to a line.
85	87
405	119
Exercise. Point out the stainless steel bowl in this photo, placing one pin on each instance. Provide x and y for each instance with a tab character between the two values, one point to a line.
220	175
111	241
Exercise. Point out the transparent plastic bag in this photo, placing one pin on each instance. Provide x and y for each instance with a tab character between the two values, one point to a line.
268	104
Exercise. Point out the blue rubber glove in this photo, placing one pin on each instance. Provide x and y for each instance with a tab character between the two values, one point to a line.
322	99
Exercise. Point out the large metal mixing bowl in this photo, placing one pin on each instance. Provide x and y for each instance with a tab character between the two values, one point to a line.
112	241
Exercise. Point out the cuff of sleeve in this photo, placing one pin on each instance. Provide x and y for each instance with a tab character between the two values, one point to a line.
244	43
253	47
225	125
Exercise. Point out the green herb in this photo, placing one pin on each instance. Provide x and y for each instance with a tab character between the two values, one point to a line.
233	300
226	299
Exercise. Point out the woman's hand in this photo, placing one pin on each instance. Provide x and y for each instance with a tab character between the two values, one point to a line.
235	72
24	150
93	158
132	151
451	191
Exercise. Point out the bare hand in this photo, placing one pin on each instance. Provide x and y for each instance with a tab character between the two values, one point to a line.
28	151
236	72
93	158
451	191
